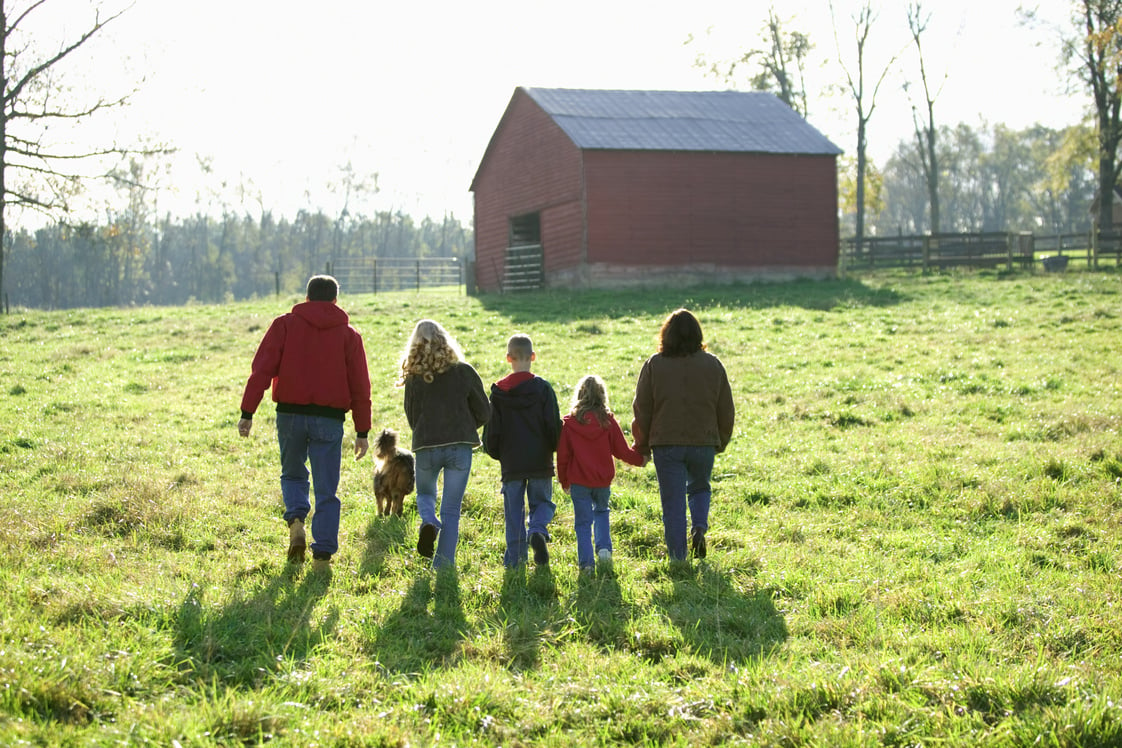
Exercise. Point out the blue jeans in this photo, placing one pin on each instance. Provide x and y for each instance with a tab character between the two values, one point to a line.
455	461
683	478
538	493
319	441
590	518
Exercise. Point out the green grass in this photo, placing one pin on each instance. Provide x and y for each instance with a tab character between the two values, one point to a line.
914	539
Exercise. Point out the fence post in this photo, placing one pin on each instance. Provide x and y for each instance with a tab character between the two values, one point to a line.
276	281
1009	250
926	251
418	276
374	272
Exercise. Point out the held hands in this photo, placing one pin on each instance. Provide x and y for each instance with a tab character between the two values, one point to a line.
361	445
244	425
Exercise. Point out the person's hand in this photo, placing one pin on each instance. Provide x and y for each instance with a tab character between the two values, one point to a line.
646	460
362	444
244	425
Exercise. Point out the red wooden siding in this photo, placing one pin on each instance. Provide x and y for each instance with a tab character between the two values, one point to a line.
726	209
611	217
530	166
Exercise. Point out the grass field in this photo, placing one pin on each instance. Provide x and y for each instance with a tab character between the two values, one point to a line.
915	536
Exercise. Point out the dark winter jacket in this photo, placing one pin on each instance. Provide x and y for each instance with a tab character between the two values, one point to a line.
524	427
448	410
586	452
315	363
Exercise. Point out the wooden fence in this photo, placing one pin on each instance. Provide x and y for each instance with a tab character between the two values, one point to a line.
981	250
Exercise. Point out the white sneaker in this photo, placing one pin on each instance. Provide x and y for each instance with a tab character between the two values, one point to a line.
604	555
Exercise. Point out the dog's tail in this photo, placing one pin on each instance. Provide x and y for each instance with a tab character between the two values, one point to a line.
405	464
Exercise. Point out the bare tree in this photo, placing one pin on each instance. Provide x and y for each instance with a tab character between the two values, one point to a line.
781	63
925	132
36	173
865	101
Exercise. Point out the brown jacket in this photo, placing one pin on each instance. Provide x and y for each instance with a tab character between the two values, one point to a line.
682	401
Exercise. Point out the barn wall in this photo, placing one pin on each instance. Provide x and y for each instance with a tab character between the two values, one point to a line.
772	213
530	166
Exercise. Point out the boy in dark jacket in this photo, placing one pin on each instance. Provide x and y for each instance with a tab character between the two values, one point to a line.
522	435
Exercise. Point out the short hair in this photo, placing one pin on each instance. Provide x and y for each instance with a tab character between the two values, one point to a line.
520	347
680	334
322	288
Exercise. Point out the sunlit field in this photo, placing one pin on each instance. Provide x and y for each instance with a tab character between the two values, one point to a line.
915	533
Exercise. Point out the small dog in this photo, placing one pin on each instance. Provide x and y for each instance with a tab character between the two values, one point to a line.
393	473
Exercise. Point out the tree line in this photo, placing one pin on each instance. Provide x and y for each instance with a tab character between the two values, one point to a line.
994	178
130	260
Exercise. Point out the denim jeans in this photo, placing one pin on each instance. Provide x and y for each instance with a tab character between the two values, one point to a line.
455	461
319	441
590	519
538	493
683	479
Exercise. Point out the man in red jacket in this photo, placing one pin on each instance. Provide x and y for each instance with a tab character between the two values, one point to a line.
315	362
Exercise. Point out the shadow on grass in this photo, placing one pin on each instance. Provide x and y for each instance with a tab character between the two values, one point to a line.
557	305
718	622
599	608
383	535
414	638
246	638
527	606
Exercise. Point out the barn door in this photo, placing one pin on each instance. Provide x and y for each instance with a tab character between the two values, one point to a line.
525	259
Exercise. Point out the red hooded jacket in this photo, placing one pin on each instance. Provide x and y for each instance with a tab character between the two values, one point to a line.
312	357
586	450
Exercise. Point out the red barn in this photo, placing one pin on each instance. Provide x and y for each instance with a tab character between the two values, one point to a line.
606	188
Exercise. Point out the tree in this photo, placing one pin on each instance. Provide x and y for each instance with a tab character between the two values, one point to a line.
781	63
864	101
1097	49
35	172
926	133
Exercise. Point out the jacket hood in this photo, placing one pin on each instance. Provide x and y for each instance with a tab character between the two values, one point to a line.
523	394
588	428
321	314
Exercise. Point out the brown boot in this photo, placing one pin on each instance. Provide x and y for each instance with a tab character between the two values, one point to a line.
321	566
297	541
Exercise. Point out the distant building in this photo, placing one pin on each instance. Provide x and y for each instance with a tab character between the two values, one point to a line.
609	188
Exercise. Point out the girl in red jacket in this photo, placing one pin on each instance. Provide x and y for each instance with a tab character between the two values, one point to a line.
590	439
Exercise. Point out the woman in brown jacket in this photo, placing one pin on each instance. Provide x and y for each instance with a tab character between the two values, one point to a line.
683	416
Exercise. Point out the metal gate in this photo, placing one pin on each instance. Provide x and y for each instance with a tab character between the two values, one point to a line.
384	274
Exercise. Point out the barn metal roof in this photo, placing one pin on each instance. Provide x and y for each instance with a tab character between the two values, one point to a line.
725	121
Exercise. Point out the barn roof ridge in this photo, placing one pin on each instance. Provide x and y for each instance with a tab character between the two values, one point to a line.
721	121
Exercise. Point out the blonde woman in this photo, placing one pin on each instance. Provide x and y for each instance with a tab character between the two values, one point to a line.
445	405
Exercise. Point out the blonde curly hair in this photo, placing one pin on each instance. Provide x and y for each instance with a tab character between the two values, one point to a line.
431	350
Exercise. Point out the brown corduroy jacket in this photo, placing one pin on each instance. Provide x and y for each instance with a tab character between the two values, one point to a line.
682	401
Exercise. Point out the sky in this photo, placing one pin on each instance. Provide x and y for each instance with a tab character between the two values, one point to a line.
275	97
